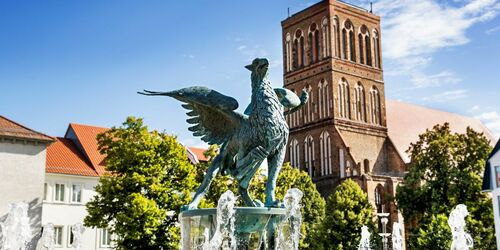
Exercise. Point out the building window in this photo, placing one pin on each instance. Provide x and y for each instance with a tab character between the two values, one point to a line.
336	36
497	175
359	102
378	199
349	46
326	153
105	238
376	49
76	193
325	37
298	50
309	155
498	200
288	52
45	190
375	105
324	99
309	109
295	153
344	100
342	163
59	192
58	235
313	42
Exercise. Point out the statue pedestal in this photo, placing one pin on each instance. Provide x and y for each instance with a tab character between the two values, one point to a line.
254	227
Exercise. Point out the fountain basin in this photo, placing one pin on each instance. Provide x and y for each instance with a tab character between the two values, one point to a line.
254	226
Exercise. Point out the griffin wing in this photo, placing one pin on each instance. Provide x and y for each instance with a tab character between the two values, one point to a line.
211	113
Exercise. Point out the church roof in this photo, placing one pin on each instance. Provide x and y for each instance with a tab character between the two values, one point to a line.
11	129
405	122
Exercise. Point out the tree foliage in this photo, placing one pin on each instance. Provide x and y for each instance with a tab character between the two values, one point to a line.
445	171
149	175
348	210
434	234
313	205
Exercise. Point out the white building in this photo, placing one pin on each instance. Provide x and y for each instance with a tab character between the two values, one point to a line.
73	168
491	183
22	164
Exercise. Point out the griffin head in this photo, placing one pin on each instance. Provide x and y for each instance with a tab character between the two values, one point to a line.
259	68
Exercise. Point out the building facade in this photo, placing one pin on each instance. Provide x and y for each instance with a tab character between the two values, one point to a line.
22	165
73	168
491	183
332	50
348	129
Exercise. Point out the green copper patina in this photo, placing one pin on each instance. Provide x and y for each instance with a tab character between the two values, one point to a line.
246	140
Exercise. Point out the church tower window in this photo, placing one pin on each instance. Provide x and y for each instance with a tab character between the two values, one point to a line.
344	100
309	155
326	153
359	103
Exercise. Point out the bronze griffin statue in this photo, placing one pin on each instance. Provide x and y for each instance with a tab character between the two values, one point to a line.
246	140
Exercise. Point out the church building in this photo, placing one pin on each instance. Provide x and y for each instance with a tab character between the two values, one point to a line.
348	129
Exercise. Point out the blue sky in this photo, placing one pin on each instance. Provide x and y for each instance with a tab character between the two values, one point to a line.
83	61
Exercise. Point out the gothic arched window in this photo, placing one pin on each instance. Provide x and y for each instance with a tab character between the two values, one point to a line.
294	150
336	35
365	52
376	48
323	99
309	155
344	100
326	153
313	43
379	198
309	108
348	41
288	52
325	34
359	102
375	105
298	57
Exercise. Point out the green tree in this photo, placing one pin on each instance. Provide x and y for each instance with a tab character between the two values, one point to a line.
149	175
435	234
446	170
313	205
348	210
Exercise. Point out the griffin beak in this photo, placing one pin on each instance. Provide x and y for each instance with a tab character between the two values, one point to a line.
249	67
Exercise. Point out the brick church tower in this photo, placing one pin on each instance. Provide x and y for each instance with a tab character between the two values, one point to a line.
333	51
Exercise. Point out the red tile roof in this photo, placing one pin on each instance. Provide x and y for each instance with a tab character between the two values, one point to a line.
11	129
77	153
63	157
87	137
405	122
198	153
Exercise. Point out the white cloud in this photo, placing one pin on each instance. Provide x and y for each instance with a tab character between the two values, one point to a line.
447	96
415	28
492	120
188	56
420	80
492	30
252	52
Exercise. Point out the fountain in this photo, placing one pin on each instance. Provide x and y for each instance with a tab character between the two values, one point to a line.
224	229
16	230
364	243
397	239
230	227
46	242
456	221
77	231
247	140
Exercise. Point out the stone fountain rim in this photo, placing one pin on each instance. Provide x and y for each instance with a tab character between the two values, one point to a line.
239	210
